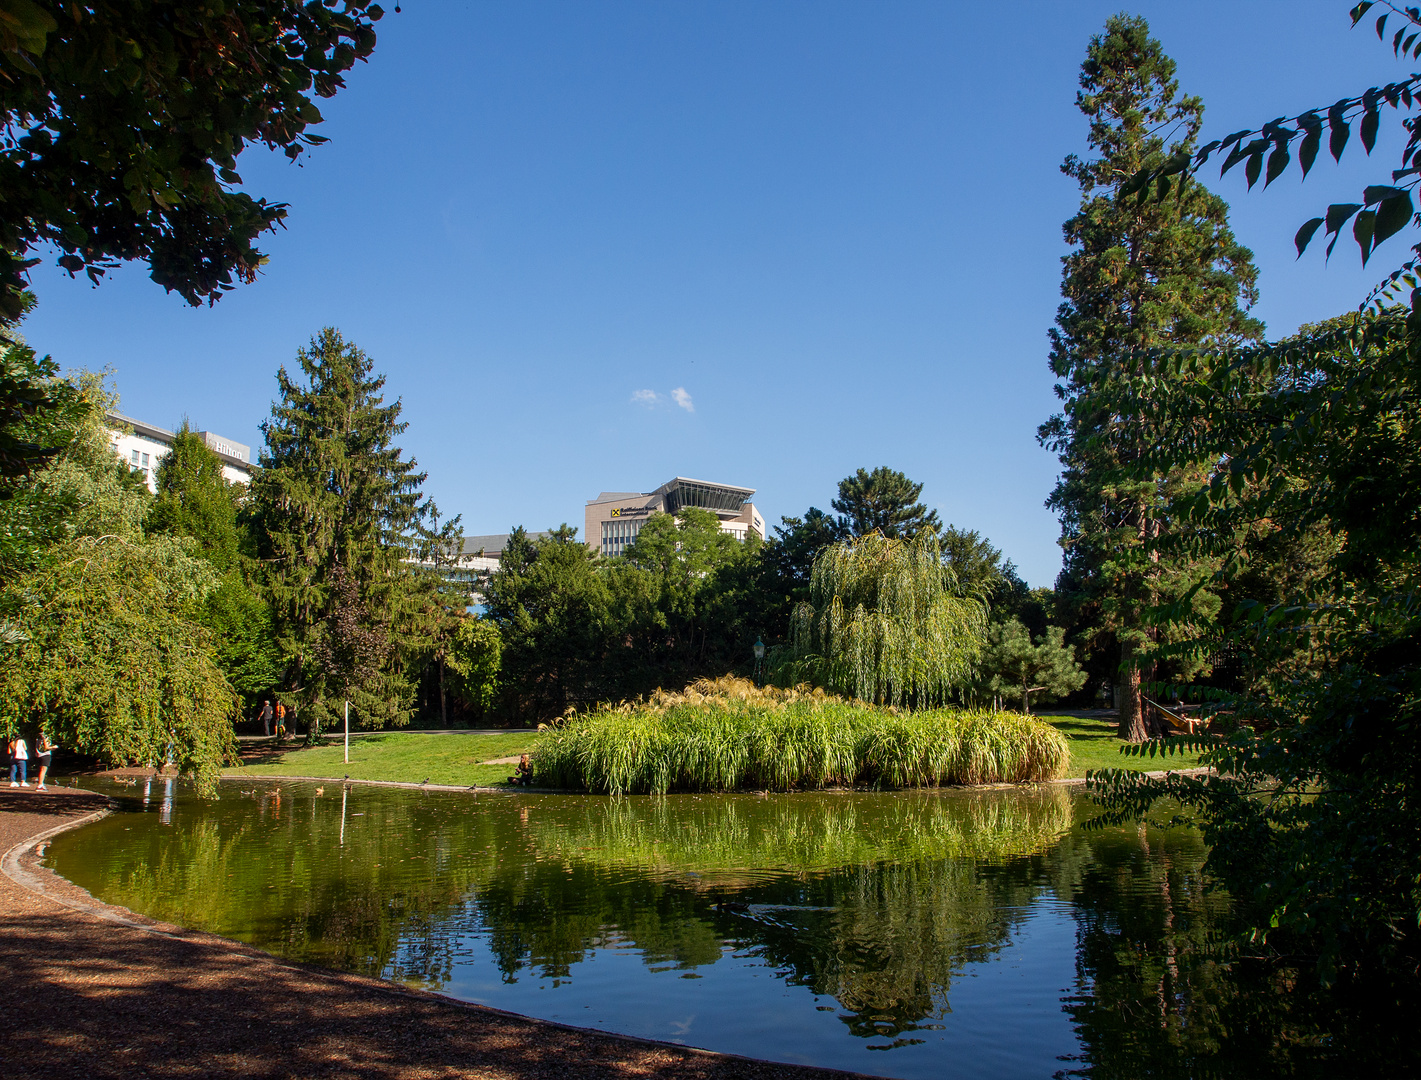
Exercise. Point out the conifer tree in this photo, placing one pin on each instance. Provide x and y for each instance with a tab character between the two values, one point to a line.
337	507
1140	275
194	499
884	500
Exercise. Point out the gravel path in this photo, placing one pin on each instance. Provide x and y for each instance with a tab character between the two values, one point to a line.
92	992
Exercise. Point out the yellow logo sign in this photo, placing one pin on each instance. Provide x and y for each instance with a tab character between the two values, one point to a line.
617	512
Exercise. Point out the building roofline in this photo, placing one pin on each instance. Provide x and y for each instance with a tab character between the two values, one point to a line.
163	435
747	492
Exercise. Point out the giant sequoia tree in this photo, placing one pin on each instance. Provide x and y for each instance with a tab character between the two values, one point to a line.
1140	275
336	508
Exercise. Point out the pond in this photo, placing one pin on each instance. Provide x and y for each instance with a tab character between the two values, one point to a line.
912	934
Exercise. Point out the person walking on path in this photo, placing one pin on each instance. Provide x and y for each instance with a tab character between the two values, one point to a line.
19	759
280	721
265	717
46	747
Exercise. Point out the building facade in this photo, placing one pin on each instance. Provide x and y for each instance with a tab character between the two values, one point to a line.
142	446
479	556
613	519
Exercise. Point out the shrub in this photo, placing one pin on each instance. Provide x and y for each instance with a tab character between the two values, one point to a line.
726	734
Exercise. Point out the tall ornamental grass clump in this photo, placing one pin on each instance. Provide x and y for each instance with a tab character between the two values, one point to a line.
728	735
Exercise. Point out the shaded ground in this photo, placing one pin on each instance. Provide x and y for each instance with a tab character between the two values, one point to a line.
85	997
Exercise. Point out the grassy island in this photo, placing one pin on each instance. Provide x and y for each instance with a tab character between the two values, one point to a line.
726	734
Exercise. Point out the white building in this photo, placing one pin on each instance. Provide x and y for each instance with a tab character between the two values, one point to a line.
144	445
613	519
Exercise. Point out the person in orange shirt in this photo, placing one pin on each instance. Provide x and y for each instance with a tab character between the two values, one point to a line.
280	721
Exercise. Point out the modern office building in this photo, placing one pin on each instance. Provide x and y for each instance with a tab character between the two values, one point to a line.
614	518
478	557
144	445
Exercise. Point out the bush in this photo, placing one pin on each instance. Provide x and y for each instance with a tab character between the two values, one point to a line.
726	734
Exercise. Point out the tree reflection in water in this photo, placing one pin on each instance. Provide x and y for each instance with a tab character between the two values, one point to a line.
878	901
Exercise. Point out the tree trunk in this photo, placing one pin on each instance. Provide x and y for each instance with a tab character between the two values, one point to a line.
1132	717
443	706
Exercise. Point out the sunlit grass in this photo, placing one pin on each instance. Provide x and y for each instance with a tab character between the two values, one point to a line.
1094	746
446	757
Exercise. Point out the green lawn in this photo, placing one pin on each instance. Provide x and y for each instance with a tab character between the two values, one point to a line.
455	757
445	757
1094	746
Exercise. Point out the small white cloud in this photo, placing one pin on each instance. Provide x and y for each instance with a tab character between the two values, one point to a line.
682	399
648	398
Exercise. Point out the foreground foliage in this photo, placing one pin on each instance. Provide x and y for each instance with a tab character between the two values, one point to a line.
1314	442
103	645
1322	429
124	123
725	735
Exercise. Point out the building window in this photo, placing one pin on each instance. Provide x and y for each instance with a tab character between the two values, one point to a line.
135	459
145	462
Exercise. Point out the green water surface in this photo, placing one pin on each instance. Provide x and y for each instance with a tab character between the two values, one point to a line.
914	934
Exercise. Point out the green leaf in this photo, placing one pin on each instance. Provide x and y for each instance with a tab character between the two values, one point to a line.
1277	162
1362	230
1338	213
1369	128
1381	28
1392	216
1253	168
1307	151
1375	193
1360	10
1338	129
1305	234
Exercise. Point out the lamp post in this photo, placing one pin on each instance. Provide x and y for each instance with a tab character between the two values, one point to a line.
759	660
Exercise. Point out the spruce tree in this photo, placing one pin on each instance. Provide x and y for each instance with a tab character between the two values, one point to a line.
884	500
337	509
1140	275
195	500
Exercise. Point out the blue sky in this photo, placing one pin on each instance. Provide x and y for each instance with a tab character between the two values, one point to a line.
596	245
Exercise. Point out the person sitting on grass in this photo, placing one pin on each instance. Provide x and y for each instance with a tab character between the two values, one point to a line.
524	777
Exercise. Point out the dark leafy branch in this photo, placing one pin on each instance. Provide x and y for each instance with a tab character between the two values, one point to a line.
122	124
1267	152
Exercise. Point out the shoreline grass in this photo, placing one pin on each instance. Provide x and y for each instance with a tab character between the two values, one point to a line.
728	735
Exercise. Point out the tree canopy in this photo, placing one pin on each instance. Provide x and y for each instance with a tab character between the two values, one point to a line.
336	508
123	124
884	624
103	645
883	501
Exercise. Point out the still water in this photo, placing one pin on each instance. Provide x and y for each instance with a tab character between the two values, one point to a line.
928	934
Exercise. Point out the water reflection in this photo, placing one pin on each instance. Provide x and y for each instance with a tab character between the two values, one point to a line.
984	931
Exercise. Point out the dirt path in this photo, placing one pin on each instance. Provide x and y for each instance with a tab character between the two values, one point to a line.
93	992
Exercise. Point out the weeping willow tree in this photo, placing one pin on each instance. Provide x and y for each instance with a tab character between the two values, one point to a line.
884	623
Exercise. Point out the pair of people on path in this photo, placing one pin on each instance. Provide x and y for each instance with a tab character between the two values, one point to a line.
20	760
266	716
